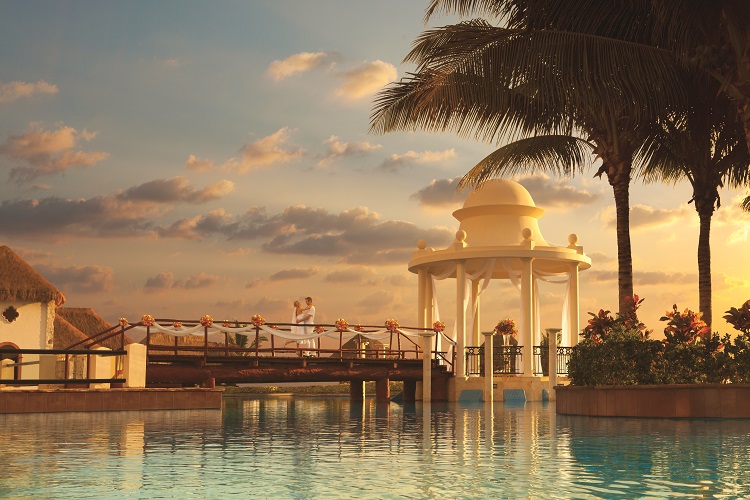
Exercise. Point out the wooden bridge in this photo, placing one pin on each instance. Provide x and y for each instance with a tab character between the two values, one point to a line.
186	353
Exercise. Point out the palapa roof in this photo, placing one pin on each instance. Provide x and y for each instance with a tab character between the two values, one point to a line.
90	324
66	334
20	282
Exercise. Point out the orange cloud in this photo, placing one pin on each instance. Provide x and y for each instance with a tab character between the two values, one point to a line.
298	63
17	90
366	79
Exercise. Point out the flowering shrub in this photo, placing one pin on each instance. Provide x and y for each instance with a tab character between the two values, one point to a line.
123	322
257	320
506	327
206	320
147	320
391	325
341	324
438	326
684	327
739	318
603	324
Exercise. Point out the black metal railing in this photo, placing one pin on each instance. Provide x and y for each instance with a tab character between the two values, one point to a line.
509	360
66	358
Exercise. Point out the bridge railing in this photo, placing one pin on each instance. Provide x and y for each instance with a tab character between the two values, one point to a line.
72	367
243	338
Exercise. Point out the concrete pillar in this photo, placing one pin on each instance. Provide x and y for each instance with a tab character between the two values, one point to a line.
489	370
357	390
460	318
426	338
527	315
573	307
552	364
101	367
475	337
383	389
410	391
134	369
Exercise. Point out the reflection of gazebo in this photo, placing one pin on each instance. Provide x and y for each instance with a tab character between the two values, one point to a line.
499	238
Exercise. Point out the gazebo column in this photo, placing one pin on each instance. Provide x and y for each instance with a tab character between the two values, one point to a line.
460	318
422	279
527	315
475	337
573	306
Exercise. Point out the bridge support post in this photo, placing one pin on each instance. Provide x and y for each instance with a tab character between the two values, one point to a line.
383	389
357	390
410	391
427	365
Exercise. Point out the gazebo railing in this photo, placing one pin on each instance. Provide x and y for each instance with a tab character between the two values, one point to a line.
508	360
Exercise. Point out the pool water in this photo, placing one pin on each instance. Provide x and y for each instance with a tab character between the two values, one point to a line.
328	447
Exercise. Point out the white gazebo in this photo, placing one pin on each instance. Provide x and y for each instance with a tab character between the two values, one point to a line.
498	238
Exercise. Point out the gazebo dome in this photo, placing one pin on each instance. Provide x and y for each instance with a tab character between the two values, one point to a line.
497	212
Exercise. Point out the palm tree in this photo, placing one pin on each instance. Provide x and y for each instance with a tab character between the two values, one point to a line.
541	82
706	146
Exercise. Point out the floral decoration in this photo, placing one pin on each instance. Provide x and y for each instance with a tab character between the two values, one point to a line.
438	326
226	324
147	320
341	324
258	320
319	329
177	325
123	322
391	325
359	328
506	327
206	320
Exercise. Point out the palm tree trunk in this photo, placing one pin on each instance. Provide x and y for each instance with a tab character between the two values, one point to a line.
704	263
620	183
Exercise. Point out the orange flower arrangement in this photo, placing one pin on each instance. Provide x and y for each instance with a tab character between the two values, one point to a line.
123	322
206	320
359	328
258	320
319	329
226	324
177	325
147	320
391	325
438	326
341	324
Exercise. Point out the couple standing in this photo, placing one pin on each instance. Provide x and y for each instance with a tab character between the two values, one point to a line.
304	316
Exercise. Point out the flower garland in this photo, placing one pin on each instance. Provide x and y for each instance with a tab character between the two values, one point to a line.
147	320
206	320
341	324
123	322
258	320
391	325
438	326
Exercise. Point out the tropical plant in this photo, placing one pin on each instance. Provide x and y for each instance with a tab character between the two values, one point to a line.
683	327
544	81
739	318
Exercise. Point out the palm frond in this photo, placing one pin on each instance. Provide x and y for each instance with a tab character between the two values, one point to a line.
556	154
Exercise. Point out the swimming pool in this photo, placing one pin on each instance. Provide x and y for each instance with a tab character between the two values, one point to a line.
326	447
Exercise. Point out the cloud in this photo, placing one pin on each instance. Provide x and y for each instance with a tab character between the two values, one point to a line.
166	281
337	149
299	63
600	258
396	161
176	189
354	236
440	193
366	79
556	193
645	217
79	279
644	278
125	213
48	152
294	274
356	275
18	90
199	165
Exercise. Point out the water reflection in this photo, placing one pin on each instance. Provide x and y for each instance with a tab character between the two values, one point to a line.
314	447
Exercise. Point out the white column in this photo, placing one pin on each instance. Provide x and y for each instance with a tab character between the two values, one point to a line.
426	338
476	336
552	363
489	370
460	318
134	370
527	315
101	367
573	307
421	299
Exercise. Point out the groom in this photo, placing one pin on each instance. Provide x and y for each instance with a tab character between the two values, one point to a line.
308	318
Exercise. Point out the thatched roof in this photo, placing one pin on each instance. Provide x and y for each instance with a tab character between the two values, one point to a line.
66	334
159	338
91	324
20	282
358	341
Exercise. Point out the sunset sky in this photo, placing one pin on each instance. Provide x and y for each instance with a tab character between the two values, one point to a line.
181	158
